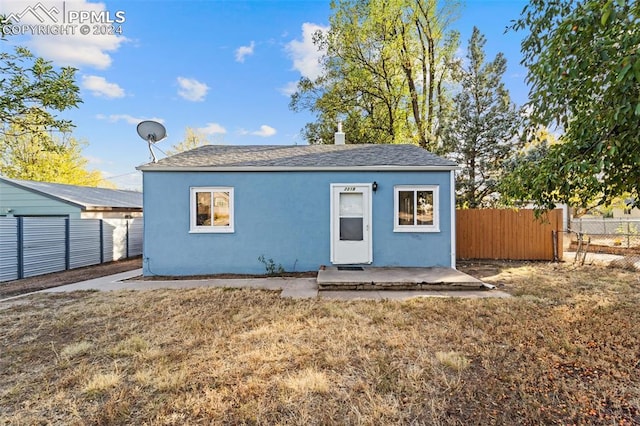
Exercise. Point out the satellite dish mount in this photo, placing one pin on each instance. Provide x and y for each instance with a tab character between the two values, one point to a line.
152	132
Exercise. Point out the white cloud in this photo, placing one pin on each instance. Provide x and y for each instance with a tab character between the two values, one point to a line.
289	89
114	118
70	48
243	51
212	129
305	54
76	52
191	89
265	131
99	86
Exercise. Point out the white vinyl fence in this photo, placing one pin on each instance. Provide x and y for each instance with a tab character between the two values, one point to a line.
32	246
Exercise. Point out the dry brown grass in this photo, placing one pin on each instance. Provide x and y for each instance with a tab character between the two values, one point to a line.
564	350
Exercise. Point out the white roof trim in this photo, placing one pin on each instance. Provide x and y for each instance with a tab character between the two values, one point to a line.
153	168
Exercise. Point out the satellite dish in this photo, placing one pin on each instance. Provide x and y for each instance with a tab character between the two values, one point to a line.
152	132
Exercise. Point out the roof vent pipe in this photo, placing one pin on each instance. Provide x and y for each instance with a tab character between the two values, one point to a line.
339	137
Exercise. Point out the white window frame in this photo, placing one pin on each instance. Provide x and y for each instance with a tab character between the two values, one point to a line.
416	228
193	210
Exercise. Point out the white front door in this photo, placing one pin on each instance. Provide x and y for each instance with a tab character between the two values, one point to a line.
351	240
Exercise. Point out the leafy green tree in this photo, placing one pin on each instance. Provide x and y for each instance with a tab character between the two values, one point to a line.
482	131
30	152
32	91
192	139
520	168
31	86
385	71
584	73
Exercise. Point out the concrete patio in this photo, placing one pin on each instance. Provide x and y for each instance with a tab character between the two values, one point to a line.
390	278
331	283
369	284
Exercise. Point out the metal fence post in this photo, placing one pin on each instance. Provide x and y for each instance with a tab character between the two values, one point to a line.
67	244
20	247
628	234
127	235
101	241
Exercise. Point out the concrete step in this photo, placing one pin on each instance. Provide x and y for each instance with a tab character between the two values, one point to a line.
397	278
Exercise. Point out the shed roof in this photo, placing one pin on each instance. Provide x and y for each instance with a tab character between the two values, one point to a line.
82	196
302	157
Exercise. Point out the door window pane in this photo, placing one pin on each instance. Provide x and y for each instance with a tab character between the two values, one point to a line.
405	207
203	208
351	229
425	208
351	216
351	204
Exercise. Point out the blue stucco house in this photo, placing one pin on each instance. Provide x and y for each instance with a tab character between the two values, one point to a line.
217	209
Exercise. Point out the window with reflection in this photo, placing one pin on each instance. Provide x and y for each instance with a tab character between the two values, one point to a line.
416	208
211	209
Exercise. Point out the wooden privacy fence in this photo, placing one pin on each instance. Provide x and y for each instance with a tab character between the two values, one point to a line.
508	234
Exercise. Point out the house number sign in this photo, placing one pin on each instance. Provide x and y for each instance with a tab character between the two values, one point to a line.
349	188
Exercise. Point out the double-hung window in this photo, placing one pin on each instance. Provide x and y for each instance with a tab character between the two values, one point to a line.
211	209
416	208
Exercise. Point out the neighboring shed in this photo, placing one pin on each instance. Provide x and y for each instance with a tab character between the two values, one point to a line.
30	198
217	209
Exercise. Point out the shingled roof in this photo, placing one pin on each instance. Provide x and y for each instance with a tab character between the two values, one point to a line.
302	157
82	196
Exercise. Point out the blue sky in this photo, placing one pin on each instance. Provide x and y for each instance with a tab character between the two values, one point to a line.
223	67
